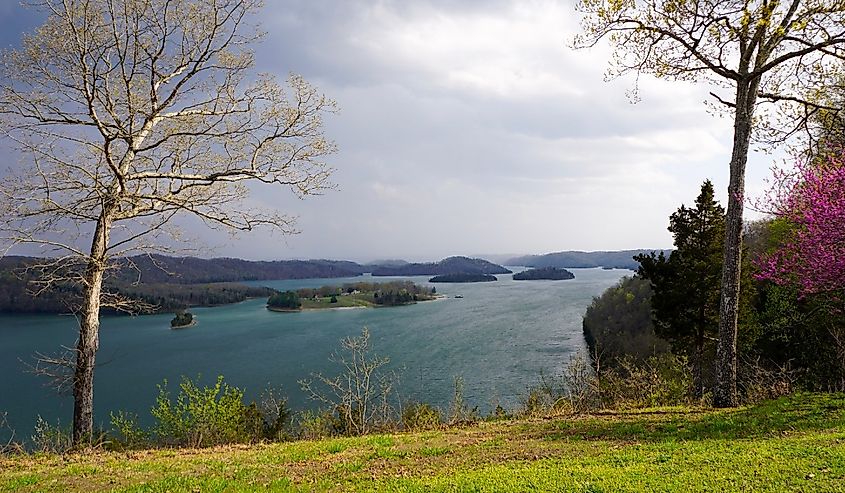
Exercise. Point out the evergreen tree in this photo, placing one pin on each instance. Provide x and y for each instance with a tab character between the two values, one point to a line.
288	300
686	285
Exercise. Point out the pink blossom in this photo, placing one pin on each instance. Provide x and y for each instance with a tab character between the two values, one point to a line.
812	201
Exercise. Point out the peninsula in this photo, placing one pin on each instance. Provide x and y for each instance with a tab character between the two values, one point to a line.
354	295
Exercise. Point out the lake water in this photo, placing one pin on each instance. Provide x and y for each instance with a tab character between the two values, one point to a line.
500	337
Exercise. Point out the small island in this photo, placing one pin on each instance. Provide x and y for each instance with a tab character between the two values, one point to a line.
464	277
356	295
546	273
182	319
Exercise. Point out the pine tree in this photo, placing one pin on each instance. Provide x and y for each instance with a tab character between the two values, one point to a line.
686	285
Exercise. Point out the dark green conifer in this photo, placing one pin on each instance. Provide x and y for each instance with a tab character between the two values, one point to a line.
686	285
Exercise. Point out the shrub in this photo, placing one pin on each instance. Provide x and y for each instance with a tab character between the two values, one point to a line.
313	425
459	411
421	416
572	391
204	416
276	416
762	381
51	439
126	433
661	380
580	386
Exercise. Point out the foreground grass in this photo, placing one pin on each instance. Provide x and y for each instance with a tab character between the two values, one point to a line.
792	444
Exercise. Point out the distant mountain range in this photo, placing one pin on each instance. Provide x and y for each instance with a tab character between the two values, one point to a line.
171	283
623	259
192	270
451	265
174	282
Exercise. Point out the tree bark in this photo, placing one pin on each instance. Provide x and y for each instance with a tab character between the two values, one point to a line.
89	336
724	391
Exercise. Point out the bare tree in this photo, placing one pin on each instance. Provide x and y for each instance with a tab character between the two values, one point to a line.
128	113
361	394
774	58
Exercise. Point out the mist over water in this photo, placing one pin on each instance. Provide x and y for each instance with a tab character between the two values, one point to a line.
500	337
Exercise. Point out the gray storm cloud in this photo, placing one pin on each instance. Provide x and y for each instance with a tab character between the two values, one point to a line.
472	127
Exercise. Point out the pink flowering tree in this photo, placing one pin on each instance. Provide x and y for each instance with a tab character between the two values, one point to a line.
811	201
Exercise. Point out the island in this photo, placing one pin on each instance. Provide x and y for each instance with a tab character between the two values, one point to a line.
354	295
545	273
464	277
182	319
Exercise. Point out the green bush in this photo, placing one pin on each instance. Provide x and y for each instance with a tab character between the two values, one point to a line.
126	433
205	416
421	416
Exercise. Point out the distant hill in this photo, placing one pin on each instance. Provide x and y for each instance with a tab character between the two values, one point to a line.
386	262
192	270
451	265
623	259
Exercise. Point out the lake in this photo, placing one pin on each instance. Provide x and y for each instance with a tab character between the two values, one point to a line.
500	338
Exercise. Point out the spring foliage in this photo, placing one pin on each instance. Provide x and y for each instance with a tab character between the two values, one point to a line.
811	200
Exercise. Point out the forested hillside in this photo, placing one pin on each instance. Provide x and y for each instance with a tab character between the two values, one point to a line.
451	265
623	259
191	270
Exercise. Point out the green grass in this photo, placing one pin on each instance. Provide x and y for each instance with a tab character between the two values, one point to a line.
792	444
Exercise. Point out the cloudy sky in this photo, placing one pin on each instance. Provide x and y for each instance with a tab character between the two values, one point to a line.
471	127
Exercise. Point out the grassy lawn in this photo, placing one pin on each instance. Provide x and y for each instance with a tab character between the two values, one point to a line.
792	444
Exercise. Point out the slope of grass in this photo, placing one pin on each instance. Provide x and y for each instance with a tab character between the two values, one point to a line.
792	444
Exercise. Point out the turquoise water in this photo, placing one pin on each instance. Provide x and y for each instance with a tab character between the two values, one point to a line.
499	337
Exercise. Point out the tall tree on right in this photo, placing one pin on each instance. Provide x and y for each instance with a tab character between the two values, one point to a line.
771	61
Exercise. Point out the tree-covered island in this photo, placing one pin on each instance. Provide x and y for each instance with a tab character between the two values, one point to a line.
545	273
354	295
464	277
182	319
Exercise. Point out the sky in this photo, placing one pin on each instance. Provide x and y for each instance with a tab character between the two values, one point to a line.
471	127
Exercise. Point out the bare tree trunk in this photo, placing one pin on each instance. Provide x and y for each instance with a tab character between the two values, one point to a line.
724	391
89	336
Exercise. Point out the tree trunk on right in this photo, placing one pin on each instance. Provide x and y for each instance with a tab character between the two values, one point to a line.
724	391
